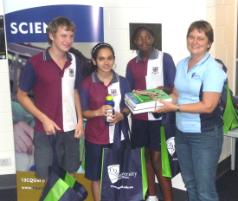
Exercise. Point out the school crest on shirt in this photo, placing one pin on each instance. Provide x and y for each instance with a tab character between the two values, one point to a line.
155	70
113	92
71	72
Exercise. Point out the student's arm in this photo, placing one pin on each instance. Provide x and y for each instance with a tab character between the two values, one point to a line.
89	114
49	125
79	127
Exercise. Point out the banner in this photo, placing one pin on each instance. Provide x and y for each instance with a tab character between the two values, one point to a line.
29	25
26	36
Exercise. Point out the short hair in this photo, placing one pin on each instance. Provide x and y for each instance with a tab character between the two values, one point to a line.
142	28
58	22
204	26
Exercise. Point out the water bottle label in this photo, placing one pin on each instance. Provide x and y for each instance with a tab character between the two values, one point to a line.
109	115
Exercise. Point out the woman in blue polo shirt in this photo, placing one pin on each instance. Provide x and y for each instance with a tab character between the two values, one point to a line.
94	89
199	136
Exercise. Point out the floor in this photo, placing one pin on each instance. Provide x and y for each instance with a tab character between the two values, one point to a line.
227	187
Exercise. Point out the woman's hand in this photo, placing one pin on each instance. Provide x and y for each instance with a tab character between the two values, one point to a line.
167	107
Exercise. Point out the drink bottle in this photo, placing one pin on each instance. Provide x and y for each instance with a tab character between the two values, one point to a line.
110	112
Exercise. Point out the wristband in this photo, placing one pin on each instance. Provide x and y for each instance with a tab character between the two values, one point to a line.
178	108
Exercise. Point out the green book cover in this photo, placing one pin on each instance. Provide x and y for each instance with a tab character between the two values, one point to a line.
143	99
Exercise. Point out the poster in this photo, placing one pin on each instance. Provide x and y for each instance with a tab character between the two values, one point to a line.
26	36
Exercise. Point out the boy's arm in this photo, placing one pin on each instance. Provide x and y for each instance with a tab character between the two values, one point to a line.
79	127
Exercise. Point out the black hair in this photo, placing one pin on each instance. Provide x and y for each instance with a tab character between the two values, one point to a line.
95	50
138	30
99	46
142	28
84	62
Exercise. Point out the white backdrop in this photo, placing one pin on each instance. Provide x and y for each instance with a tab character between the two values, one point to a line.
7	153
175	17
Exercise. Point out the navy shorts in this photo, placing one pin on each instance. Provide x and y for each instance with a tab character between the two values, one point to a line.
145	134
66	152
93	160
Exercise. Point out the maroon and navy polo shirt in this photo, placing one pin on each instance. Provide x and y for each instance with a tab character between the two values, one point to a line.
53	88
92	94
157	70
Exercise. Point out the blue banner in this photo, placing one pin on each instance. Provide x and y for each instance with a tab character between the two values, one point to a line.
30	25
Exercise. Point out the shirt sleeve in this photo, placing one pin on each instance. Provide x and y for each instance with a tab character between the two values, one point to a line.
214	79
169	70
27	78
125	88
84	96
78	78
129	77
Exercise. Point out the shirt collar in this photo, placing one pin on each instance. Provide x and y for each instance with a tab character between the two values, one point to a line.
115	77
47	57
153	55
204	58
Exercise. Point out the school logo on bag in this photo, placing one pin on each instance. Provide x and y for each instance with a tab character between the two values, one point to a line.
171	146
114	172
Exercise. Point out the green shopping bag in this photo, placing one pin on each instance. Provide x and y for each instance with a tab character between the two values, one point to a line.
230	115
61	186
166	168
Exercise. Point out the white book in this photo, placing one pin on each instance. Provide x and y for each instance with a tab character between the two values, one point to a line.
144	110
146	103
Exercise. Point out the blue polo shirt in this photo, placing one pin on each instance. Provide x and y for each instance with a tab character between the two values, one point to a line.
205	76
53	88
93	93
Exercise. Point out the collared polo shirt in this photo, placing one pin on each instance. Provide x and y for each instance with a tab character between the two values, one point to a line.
158	70
205	76
53	88
93	93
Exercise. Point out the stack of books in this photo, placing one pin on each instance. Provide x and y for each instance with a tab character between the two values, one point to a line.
141	101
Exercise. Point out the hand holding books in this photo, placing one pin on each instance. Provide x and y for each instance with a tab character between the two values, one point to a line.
141	101
167	107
